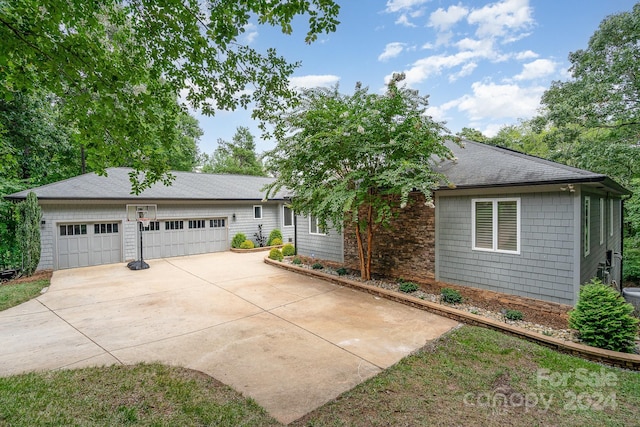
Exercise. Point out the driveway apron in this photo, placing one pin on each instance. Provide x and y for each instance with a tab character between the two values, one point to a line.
289	341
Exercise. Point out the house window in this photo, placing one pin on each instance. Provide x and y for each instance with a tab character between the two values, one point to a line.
586	223
174	225
105	228
314	226
217	223
611	223
496	225
73	229
601	220
287	215
257	212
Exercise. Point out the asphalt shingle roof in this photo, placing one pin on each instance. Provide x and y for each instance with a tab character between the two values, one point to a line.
185	186
477	166
481	165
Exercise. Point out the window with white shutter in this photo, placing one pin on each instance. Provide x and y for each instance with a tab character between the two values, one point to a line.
496	225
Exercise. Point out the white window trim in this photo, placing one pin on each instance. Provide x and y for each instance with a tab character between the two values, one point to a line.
611	217
284	216
602	231
495	225
318	233
254	212
586	231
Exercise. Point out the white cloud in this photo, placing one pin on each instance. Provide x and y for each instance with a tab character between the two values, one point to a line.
391	50
312	81
444	19
398	5
494	101
527	54
404	20
504	19
536	69
250	33
466	70
492	129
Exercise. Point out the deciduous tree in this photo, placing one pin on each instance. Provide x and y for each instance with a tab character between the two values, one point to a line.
118	66
235	157
351	159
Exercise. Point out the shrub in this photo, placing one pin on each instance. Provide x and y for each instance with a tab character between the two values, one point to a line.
408	287
28	233
237	240
247	244
275	234
288	250
451	296
631	265
317	266
342	271
275	242
297	261
275	254
603	319
513	315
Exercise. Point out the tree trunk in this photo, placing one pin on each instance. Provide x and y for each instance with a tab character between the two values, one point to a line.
360	250
369	241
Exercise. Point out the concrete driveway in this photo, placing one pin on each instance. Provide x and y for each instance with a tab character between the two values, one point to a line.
289	341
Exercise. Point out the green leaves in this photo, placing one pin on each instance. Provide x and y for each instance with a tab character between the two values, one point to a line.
340	154
118	67
28	233
235	157
603	318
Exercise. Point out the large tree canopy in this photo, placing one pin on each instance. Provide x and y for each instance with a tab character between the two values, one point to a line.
604	91
118	66
235	157
350	159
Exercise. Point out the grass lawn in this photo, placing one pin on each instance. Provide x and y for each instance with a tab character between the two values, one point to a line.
472	376
12	294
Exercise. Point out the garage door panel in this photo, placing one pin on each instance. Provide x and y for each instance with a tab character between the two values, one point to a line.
173	238
86	244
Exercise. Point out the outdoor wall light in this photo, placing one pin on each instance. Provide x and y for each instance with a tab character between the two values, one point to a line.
234	217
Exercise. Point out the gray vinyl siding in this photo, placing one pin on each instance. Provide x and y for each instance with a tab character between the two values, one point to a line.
328	247
598	251
544	268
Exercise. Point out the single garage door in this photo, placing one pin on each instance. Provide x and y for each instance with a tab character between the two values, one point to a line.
85	244
169	238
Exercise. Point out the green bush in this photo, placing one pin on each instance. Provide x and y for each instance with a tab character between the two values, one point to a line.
275	234
275	242
275	254
603	318
317	266
288	250
631	265
342	271
237	240
451	296
247	244
297	261
513	315
408	287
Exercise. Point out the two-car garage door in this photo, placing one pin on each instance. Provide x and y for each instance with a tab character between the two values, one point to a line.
164	239
86	244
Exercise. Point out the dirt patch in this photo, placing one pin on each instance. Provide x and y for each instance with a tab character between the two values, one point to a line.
38	275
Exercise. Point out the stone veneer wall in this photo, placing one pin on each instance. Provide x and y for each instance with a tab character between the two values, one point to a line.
406	249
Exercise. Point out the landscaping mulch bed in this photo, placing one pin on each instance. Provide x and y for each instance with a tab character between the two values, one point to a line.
38	275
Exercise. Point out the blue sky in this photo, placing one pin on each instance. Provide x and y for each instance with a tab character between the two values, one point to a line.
484	64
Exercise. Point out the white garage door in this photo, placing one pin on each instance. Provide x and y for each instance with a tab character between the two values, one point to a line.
85	244
169	238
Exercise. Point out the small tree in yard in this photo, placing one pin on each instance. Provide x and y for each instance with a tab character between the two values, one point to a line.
353	159
28	233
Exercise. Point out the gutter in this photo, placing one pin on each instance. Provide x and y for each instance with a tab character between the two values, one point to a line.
605	180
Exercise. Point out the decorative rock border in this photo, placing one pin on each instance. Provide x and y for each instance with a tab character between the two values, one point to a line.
258	249
614	358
